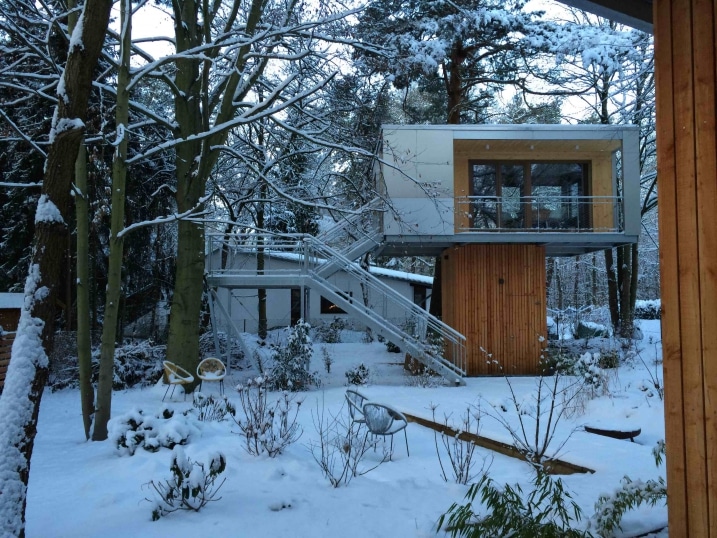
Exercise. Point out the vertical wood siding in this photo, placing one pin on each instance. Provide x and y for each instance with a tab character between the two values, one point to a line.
687	164
495	296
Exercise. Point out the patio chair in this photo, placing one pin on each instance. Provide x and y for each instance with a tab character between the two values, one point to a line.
175	375
356	400
212	369
385	421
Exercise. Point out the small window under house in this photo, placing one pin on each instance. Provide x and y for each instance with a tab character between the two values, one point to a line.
529	194
328	307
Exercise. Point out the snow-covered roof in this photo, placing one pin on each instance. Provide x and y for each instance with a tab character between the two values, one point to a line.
11	300
374	270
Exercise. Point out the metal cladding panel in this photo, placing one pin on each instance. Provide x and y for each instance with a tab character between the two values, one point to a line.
420	216
417	162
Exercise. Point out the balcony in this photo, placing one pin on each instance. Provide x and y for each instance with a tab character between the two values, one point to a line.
539	214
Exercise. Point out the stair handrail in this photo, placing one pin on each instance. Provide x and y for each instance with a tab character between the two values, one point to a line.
318	250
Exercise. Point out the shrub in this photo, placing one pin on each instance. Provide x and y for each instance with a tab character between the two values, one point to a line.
610	509
136	364
267	427
588	329
538	414
151	432
209	408
191	486
358	375
648	309
291	361
342	447
331	333
460	452
328	359
548	510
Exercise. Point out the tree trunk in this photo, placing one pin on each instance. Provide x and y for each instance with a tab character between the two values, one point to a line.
27	373
84	343
261	292
116	242
612	291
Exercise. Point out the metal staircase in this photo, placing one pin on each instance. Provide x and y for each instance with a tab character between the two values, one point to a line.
354	236
426	338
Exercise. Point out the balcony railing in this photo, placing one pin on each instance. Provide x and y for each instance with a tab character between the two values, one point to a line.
539	214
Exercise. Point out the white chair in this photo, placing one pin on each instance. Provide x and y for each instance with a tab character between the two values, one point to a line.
355	401
212	369
175	375
384	420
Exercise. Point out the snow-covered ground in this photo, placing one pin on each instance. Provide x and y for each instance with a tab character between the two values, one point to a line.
86	489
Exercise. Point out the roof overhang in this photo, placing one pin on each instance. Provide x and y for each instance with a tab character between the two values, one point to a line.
635	13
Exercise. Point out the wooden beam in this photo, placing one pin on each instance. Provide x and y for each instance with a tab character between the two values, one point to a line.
553	466
687	161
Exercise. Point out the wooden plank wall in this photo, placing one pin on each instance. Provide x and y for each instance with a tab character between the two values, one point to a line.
6	341
495	296
687	164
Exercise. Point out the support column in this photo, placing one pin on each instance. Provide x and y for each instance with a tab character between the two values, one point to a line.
687	187
495	296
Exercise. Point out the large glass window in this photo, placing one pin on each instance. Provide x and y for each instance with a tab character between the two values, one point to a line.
524	194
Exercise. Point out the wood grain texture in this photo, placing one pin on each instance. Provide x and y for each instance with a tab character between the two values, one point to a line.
687	160
495	296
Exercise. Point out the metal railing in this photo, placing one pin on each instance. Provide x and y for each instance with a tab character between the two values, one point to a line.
426	337
363	224
540	213
426	332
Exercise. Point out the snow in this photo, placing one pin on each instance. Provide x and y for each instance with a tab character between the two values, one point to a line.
80	488
17	406
47	211
12	300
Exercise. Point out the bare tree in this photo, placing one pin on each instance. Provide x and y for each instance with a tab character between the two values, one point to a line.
27	373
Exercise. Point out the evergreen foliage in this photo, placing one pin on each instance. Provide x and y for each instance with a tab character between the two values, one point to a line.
291	369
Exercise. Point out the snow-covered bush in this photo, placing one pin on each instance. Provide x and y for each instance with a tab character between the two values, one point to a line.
136	364
342	446
210	408
207	345
327	358
532	421
589	329
610	508
548	510
457	446
291	361
191	486
648	309
330	333
268	427
136	429
358	375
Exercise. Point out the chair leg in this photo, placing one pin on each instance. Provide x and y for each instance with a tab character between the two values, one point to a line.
174	386
406	436
165	392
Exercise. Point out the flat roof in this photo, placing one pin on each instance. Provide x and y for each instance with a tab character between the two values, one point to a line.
538	130
11	300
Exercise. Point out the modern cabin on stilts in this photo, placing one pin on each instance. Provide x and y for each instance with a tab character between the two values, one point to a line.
493	201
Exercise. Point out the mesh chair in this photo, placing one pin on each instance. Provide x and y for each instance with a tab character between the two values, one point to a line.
385	421
356	400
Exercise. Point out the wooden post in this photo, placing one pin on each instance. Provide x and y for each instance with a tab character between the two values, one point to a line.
687	175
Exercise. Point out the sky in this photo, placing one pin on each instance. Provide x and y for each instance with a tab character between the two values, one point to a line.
86	489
